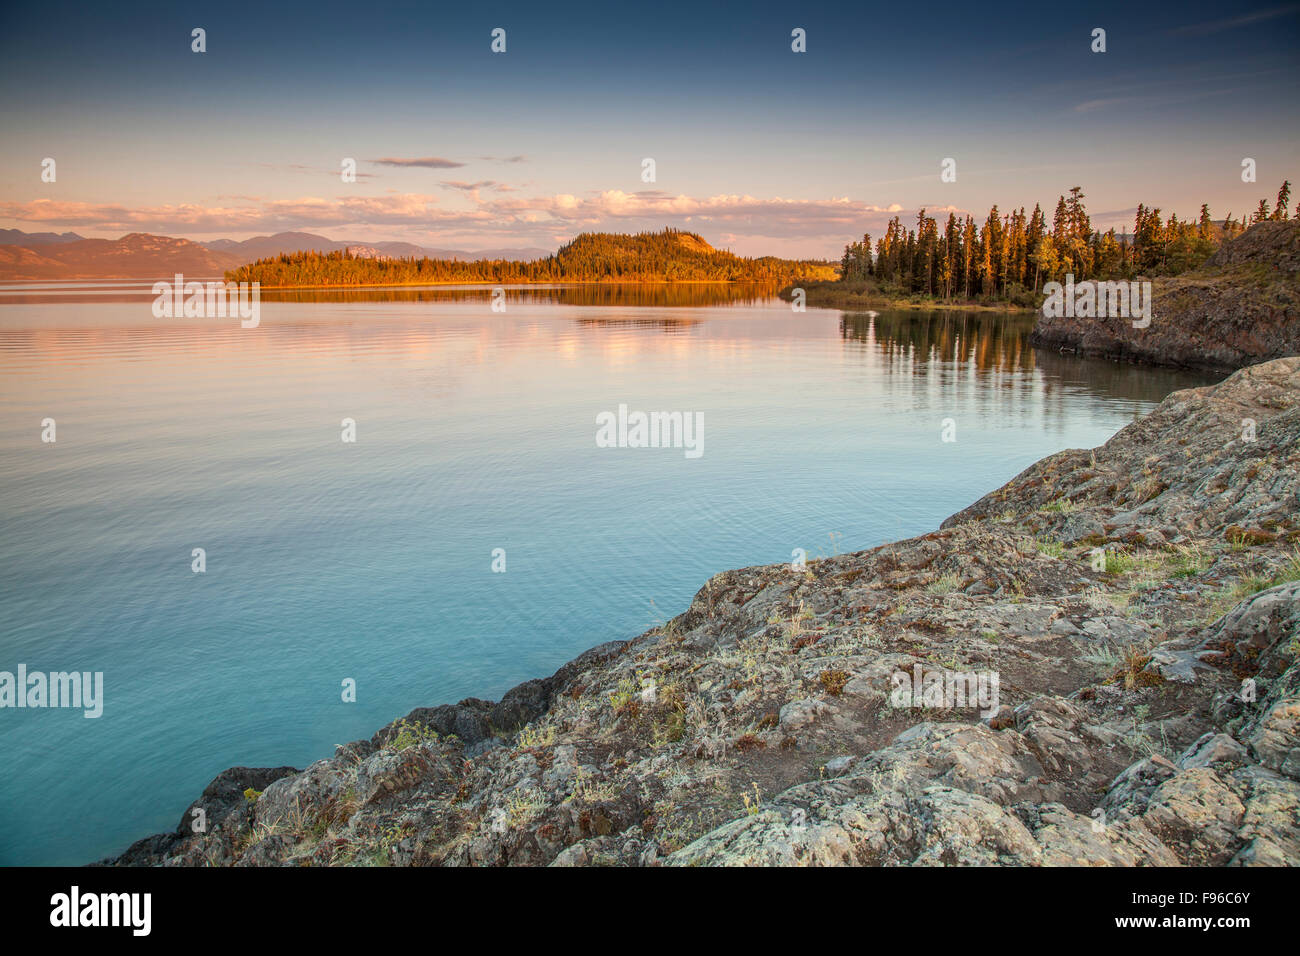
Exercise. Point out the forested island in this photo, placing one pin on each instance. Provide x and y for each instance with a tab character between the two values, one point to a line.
1005	262
668	256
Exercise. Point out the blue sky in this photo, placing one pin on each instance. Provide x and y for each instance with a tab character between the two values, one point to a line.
758	148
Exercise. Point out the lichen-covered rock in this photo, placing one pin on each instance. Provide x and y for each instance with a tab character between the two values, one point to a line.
1196	815
1275	736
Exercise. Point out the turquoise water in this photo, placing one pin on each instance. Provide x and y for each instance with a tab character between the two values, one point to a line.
475	430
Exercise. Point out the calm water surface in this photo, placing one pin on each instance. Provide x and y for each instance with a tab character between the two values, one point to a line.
475	430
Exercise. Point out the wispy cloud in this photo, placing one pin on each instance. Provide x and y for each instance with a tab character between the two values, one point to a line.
426	162
472	189
1089	106
1151	102
308	169
1232	23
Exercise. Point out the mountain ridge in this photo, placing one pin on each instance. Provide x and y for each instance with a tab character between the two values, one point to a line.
142	255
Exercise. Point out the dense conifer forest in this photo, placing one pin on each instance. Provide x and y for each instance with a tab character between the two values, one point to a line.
1011	255
667	256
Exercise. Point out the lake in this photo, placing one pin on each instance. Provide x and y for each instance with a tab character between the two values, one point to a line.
475	430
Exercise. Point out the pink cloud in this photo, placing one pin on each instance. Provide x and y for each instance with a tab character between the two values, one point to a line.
749	224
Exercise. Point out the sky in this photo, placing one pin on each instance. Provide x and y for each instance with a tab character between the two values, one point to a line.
760	149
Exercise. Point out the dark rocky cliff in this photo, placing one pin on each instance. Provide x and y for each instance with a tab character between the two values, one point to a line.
1242	307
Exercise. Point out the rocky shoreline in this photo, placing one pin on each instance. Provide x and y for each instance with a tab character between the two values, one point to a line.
1148	704
1241	308
833	294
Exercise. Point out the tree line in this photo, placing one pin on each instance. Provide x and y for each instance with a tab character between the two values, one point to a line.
670	255
1011	255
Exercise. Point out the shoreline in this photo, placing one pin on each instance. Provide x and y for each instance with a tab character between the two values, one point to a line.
555	772
827	297
510	285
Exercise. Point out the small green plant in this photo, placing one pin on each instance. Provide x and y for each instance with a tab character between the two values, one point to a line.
1051	548
626	696
1103	656
1290	571
1139	741
669	730
1253	584
752	806
1120	562
534	735
1250	584
251	795
794	627
944	584
677	827
1018	593
522	807
394	834
1189	561
409	735
587	789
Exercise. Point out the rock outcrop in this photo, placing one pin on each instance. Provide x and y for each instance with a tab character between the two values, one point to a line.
1126	621
1242	307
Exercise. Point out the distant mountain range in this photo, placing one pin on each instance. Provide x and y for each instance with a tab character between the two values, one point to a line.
262	247
135	256
139	255
16	237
